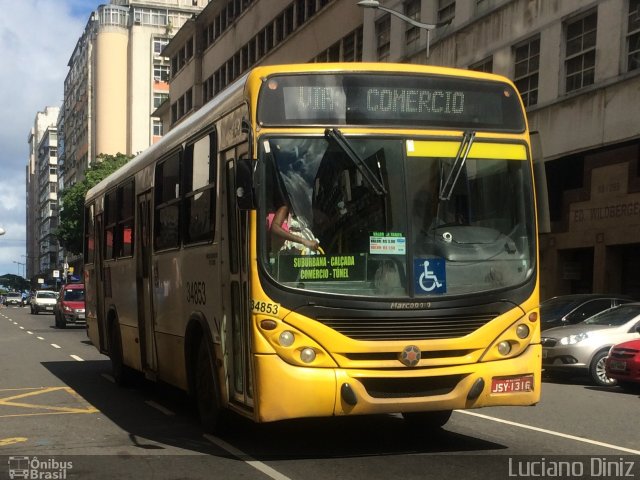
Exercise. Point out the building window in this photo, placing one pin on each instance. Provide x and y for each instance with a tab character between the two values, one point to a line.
383	38
412	33
527	65
485	65
159	98
161	73
159	44
633	35
446	10
158	128
580	47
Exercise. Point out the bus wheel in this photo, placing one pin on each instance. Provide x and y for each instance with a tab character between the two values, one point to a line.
427	420
206	394
119	371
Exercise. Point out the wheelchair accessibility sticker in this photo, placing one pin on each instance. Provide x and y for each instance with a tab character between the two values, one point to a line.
430	275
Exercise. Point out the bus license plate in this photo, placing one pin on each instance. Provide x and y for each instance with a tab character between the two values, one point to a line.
512	384
618	365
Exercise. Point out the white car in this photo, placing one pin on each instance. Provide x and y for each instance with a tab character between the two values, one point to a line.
43	301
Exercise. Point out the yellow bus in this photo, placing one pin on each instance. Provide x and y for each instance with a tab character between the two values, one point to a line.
325	240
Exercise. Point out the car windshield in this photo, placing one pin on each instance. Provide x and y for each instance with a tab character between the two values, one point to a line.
558	307
614	316
74	295
14	295
394	219
46	295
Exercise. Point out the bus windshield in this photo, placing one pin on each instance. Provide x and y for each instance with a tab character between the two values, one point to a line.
396	217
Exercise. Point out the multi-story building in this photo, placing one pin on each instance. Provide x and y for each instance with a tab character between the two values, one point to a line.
47	205
42	152
229	37
576	64
117	78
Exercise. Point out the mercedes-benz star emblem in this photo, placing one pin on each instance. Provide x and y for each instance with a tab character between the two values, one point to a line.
410	356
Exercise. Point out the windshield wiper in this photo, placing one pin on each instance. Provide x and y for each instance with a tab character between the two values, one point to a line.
340	140
446	188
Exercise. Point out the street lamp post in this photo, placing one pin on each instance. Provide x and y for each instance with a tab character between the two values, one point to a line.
424	26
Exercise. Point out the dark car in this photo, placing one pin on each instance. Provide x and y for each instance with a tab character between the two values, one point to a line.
70	306
623	364
572	309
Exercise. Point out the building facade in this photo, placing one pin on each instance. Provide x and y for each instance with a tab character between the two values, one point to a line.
576	64
41	202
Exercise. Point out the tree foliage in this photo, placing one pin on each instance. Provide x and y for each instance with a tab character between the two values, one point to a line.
70	228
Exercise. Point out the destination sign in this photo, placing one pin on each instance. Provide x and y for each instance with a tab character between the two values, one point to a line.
313	268
385	99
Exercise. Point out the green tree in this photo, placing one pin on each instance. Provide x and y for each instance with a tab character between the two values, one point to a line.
70	229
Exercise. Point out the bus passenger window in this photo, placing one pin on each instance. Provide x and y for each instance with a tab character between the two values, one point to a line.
167	201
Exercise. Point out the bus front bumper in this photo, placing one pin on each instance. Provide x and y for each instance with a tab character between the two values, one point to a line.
286	391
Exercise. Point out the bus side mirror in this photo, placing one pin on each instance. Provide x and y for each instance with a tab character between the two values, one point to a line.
244	184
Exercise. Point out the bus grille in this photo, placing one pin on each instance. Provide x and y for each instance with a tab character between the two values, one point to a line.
410	387
382	329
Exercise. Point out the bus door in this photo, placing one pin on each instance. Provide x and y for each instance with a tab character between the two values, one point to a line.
99	279
237	303
144	292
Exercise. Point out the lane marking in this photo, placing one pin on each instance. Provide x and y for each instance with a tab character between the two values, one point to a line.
50	409
55	346
21	328
30	333
40	338
266	469
551	432
159	407
76	357
10	441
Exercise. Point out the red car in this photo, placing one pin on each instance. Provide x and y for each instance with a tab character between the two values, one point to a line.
623	364
70	305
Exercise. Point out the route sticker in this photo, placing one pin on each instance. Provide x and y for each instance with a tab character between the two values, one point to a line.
51	401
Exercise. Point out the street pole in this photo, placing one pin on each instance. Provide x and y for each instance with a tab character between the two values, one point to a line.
375	4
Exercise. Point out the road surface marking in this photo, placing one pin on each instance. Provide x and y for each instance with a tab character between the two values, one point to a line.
30	333
21	328
159	407
49	409
551	432
10	441
55	346
266	469
76	357
40	338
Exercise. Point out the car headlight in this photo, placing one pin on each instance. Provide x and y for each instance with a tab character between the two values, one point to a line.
573	339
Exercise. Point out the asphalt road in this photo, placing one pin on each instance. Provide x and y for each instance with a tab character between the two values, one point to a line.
61	416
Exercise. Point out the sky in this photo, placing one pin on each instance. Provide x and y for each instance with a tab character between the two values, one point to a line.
37	38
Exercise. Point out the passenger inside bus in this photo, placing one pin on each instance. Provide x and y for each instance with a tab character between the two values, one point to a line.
286	232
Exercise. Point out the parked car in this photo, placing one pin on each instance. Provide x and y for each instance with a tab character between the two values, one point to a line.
572	309
582	348
70	305
13	298
623	364
43	301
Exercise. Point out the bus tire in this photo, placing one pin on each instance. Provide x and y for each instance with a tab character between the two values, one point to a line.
207	397
119	370
427	420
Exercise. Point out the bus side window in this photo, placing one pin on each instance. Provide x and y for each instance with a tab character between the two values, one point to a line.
167	203
200	190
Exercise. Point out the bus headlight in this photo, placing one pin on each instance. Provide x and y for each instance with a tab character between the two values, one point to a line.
504	348
308	355
286	338
522	331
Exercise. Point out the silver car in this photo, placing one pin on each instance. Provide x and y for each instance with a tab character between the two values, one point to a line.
582	348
